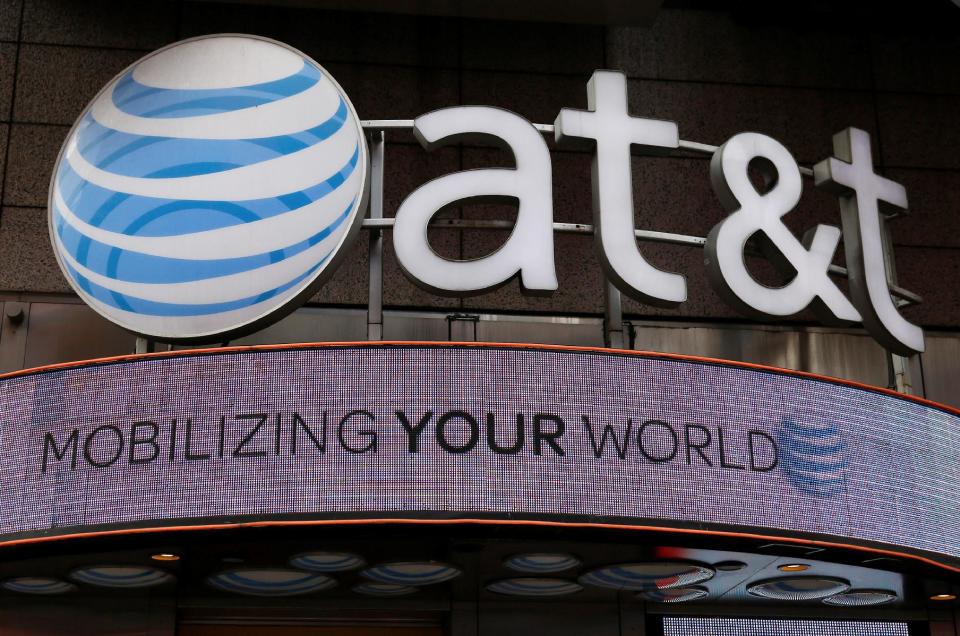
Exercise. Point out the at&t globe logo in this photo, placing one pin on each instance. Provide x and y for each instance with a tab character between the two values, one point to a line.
208	187
813	456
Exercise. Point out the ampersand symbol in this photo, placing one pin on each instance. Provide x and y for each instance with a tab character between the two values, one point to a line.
752	211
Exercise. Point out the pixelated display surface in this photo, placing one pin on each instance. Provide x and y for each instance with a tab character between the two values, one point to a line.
690	626
418	430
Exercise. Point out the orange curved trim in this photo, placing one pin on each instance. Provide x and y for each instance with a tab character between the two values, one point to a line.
480	345
489	522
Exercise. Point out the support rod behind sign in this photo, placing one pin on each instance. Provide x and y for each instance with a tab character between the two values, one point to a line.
375	302
612	317
900	376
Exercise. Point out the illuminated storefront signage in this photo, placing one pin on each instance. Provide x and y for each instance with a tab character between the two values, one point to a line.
209	188
212	187
393	431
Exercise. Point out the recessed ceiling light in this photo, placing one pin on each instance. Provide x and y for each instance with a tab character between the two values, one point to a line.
799	588
412	573
121	576
648	576
943	597
793	567
270	582
165	556
861	598
541	562
675	595
534	586
327	561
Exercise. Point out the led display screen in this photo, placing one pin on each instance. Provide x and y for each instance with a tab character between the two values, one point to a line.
690	626
422	430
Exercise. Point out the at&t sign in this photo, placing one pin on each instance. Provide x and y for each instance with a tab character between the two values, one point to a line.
212	187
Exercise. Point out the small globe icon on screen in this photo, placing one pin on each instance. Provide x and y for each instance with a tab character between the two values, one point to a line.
208	188
813	456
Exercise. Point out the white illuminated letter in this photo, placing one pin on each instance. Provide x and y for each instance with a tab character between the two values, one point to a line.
850	175
609	124
752	212
528	251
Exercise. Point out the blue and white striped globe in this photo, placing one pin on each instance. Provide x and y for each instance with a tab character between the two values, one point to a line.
38	585
533	586
270	582
327	561
207	187
814	457
654	575
541	562
384	589
412	573
133	576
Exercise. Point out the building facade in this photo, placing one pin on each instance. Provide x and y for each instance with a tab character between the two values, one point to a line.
799	75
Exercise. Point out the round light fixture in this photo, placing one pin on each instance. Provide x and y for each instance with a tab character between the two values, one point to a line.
657	575
793	567
412	572
861	598
541	562
943	597
799	588
121	576
729	566
270	582
38	585
327	561
165	556
675	594
531	586
384	589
